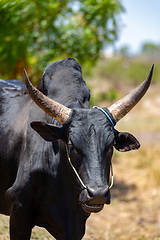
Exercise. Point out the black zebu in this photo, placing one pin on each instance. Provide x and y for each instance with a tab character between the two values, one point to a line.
38	183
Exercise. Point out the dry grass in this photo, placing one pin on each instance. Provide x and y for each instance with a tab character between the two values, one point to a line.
134	213
135	209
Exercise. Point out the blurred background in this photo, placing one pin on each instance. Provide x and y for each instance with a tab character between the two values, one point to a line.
116	42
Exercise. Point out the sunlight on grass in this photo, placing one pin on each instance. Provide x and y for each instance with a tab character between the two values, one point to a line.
40	234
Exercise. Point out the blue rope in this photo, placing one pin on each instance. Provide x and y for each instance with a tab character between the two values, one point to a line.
107	115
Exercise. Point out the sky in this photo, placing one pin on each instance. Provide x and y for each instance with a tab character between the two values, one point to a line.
140	23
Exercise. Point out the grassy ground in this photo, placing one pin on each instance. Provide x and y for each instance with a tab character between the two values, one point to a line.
135	209
134	213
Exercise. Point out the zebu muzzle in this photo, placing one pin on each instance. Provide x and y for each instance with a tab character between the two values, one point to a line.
93	199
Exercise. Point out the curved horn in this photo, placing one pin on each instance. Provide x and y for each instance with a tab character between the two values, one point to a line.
124	105
56	110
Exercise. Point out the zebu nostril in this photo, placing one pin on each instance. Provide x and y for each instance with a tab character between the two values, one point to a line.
89	194
97	195
106	195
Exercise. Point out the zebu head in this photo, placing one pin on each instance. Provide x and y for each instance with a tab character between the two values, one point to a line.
90	138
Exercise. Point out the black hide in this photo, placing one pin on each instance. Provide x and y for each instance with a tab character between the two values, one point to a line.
37	184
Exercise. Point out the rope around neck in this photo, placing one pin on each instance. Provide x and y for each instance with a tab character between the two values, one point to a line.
79	178
107	115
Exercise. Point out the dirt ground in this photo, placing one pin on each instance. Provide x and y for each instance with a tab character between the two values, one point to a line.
134	212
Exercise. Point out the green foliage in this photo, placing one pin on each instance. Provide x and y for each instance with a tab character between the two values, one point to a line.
110	96
119	70
151	50
111	76
125	51
34	33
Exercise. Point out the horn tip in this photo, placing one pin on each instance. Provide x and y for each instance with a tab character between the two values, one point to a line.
26	79
152	67
25	73
149	78
151	71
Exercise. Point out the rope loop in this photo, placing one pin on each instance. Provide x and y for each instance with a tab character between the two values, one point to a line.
107	115
79	178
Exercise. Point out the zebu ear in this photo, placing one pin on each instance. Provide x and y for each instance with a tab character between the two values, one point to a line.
125	142
50	132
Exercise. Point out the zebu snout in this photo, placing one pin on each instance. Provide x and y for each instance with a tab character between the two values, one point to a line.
97	195
94	198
